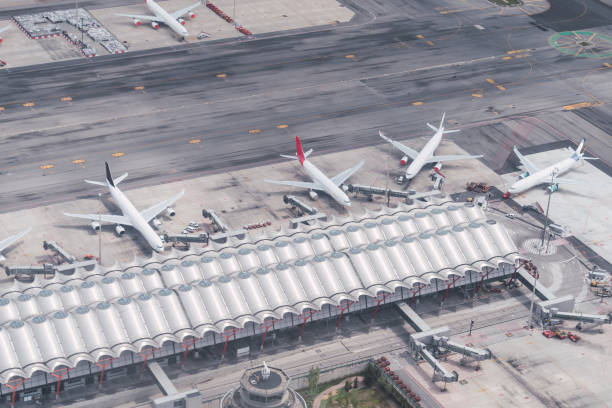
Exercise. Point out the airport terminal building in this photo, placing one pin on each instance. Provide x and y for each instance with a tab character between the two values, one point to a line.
72	327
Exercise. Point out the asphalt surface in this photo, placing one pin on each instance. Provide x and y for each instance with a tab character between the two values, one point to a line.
396	66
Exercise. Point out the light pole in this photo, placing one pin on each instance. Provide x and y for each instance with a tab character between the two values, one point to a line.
100	232
552	178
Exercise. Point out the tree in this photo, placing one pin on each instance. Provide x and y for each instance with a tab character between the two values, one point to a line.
347	386
356	382
354	399
370	376
342	398
313	378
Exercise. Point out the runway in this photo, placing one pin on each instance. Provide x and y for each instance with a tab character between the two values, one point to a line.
197	109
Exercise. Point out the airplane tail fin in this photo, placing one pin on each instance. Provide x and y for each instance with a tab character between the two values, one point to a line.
577	154
580	146
299	150
441	127
109	177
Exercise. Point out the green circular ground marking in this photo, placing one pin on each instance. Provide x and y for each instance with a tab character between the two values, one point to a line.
582	44
506	3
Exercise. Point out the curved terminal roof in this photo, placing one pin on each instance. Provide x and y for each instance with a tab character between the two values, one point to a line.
88	315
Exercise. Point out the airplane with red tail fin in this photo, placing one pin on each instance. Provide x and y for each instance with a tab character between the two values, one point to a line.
320	182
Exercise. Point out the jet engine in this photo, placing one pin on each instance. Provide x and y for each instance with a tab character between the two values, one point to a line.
344	187
170	211
552	188
313	195
524	175
404	160
181	21
95	225
155	25
136	22
191	15
2	260
156	223
119	230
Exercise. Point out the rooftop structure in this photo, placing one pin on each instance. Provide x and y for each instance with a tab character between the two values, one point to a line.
60	322
263	387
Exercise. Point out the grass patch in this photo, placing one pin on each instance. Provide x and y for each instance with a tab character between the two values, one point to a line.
506	3
366	398
310	396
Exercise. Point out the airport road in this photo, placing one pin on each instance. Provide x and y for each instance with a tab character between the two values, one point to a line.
195	109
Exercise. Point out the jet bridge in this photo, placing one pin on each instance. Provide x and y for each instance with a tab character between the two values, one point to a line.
469	353
409	195
429	343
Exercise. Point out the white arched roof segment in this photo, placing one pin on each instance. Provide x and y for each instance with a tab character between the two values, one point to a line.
373	231
306	273
302	247
338	239
388	279
457	215
390	228
266	255
331	279
111	310
398	258
417	256
321	244
408	225
254	296
353	271
356	236
27	306
425	222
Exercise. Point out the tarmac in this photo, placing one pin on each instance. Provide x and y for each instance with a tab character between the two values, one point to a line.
239	197
241	103
213	116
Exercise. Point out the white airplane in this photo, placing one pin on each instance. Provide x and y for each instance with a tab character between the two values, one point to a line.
173	20
426	155
320	181
3	30
131	217
10	241
534	176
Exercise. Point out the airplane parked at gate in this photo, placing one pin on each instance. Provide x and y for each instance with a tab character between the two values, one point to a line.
534	176
3	30
426	155
173	20
131	216
320	181
10	241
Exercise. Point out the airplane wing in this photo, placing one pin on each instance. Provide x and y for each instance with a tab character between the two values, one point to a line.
10	240
300	184
341	178
436	159
141	17
566	181
405	149
5	28
107	218
154	210
525	162
182	12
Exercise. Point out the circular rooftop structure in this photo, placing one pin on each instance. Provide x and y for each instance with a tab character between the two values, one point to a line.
263	387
